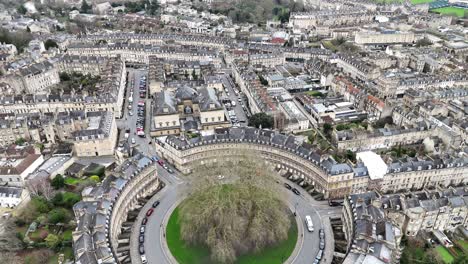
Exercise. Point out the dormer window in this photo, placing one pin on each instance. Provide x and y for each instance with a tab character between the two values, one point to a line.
165	110
212	106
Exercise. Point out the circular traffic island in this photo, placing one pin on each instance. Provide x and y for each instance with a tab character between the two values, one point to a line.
234	214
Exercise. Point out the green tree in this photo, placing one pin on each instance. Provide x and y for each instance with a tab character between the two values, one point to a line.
95	178
21	9
50	43
57	200
263	80
58	182
58	215
40	204
20	141
327	130
70	199
52	241
261	120
85	7
64	77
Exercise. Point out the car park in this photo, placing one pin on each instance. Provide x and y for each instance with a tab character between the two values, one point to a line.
149	212
296	191
155	204
287	186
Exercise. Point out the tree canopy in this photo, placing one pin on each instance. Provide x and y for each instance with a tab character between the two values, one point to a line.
50	43
261	119
242	215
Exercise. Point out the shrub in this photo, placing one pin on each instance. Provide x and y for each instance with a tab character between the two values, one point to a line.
70	199
58	215
95	178
58	182
40	204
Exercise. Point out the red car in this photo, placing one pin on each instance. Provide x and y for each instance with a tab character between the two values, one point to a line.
149	212
161	162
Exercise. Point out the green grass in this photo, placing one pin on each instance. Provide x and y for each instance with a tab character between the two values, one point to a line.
444	254
201	255
459	12
315	93
416	2
72	181
67	235
463	244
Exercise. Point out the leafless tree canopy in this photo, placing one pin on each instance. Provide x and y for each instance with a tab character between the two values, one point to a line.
235	208
40	186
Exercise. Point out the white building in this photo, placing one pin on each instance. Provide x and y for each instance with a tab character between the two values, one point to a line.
10	197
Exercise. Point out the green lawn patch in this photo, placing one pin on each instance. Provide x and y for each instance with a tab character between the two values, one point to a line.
459	12
72	181
185	254
315	93
463	244
444	254
416	2
67	235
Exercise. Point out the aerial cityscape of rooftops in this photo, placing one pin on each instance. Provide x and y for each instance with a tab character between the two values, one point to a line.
234	131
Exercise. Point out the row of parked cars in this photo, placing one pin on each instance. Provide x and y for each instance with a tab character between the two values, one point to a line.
319	256
142	87
162	164
140	123
141	238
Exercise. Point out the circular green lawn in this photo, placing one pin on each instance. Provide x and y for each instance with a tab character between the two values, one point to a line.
201	255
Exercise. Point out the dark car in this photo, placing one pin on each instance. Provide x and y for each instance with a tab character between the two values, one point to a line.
149	212
141	249
144	221
287	186
155	204
296	191
170	170
141	239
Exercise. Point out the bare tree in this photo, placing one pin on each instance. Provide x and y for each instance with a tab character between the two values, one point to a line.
235	208
40	186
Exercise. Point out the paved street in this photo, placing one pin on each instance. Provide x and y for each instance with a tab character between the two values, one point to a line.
128	121
240	112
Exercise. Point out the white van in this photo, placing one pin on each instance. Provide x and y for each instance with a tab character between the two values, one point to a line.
309	223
